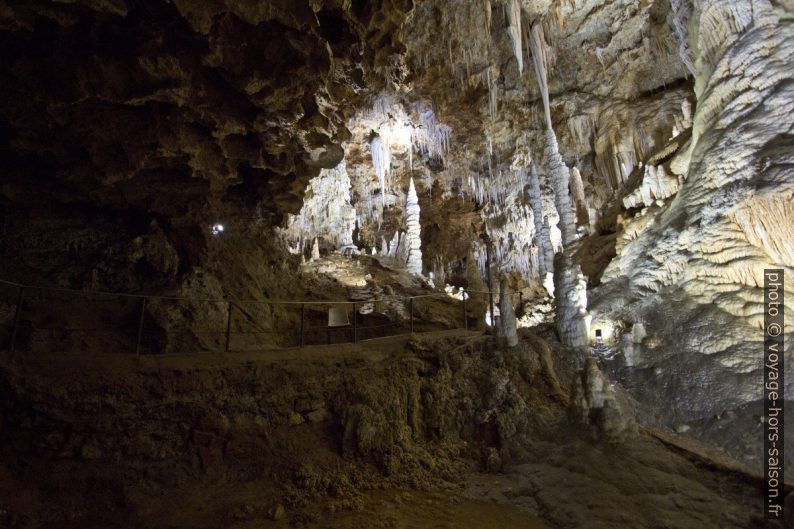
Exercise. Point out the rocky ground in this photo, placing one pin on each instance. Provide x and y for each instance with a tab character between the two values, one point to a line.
434	430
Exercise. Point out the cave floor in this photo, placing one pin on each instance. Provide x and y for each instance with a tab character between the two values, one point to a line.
561	478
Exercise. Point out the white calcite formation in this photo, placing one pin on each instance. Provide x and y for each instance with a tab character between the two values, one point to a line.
695	273
381	161
397	131
626	133
570	289
413	231
656	184
579	199
315	250
569	284
560	177
545	251
327	212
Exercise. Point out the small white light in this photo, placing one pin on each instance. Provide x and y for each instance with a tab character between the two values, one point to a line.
217	229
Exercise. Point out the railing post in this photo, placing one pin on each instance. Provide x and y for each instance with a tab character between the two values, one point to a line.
465	315
411	310
355	328
303	319
17	314
228	325
140	327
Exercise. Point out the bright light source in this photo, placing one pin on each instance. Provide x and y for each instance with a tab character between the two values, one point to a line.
217	229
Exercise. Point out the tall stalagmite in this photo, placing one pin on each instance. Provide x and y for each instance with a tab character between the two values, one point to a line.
571	297
413	231
542	239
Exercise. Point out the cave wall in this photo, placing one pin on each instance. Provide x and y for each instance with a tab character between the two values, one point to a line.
693	270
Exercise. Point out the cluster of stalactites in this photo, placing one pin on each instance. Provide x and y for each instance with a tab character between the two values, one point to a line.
511	230
327	213
466	40
397	130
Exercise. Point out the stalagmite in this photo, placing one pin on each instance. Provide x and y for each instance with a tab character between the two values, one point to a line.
401	250
560	179
413	233
315	250
384	247
507	316
395	242
542	240
569	284
571	288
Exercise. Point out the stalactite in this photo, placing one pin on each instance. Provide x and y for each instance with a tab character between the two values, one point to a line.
537	43
381	160
514	29
579	199
413	231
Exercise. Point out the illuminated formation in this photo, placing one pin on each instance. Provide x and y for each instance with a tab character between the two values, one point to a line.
413	231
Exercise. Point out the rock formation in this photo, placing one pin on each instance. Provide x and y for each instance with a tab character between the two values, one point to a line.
315	250
708	255
598	405
130	131
507	315
568	279
541	239
412	234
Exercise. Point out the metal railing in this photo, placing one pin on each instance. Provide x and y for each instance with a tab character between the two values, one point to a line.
50	317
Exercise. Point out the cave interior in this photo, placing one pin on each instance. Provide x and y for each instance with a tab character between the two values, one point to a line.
396	264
